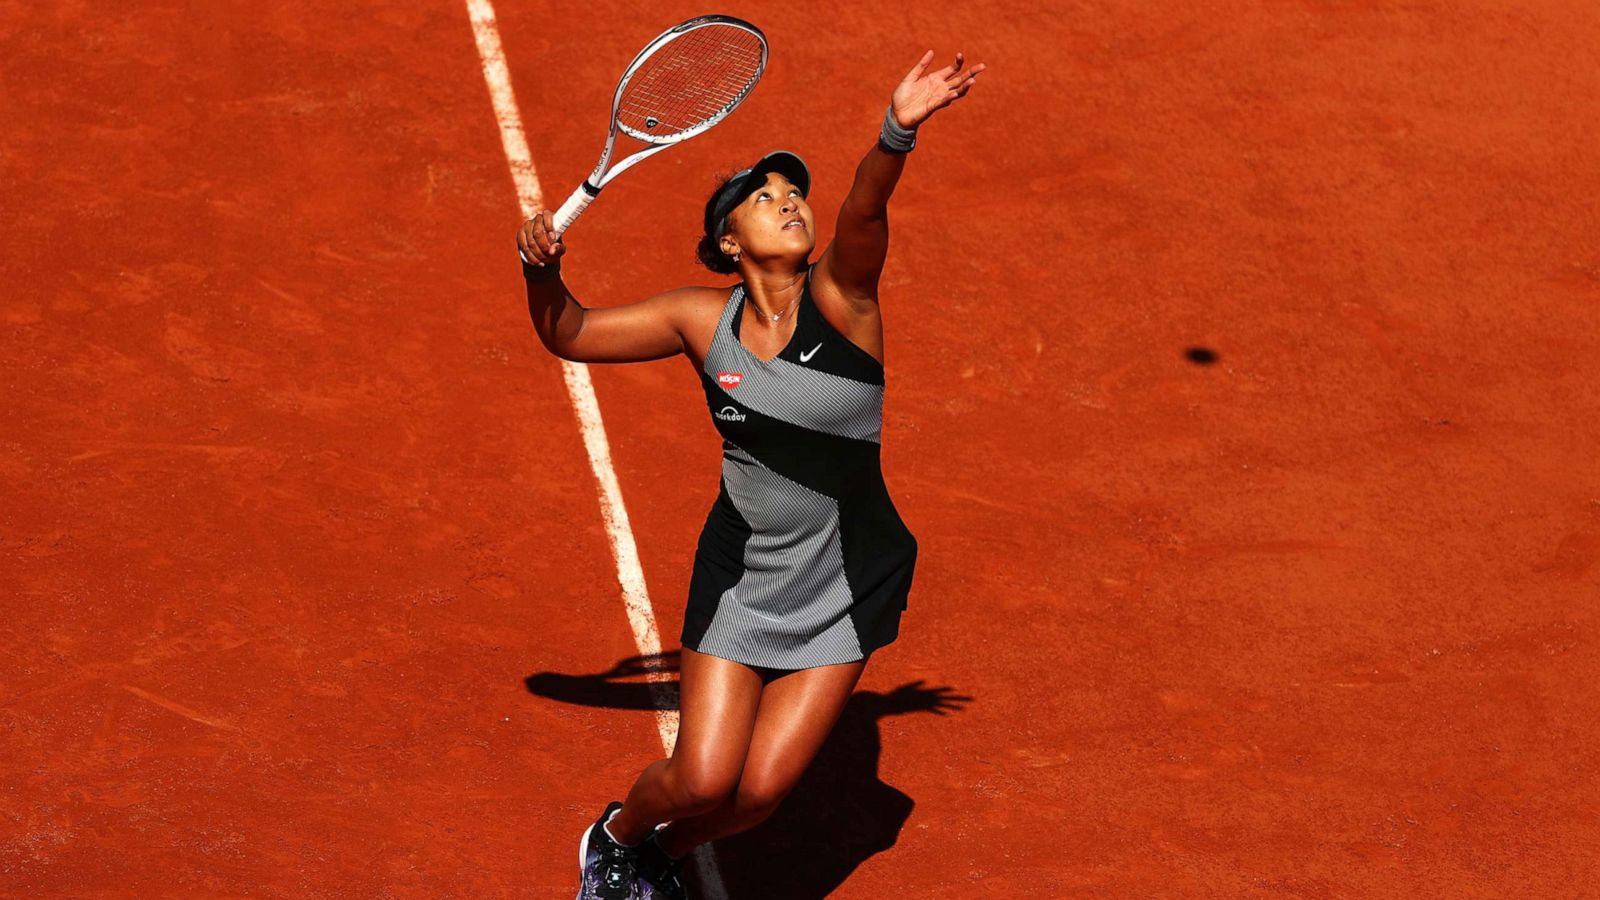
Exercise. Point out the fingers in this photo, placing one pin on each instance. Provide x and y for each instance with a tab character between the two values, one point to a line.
949	71
957	77
537	240
960	90
524	245
921	68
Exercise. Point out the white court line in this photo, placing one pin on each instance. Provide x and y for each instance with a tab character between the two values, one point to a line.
630	575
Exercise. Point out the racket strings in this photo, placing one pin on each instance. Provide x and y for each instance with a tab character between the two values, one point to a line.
691	82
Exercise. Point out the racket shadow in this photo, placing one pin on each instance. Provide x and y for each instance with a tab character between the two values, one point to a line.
840	813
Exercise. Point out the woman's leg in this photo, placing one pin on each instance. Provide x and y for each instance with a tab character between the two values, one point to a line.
796	712
717	704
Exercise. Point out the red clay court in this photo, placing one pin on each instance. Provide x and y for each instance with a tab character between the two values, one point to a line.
1243	368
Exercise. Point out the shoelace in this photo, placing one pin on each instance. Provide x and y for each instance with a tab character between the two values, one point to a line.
618	875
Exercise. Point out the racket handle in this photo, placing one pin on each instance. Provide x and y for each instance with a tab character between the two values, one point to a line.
569	212
574	207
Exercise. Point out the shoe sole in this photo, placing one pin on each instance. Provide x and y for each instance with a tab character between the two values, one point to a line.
583	857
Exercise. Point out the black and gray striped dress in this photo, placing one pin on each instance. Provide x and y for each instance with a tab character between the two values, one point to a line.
803	560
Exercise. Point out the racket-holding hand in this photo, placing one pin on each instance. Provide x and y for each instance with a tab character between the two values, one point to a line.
922	93
537	240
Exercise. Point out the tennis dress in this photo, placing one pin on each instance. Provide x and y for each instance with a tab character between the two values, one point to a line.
803	560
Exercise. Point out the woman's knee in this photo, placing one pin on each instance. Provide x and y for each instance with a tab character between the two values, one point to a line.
758	798
702	788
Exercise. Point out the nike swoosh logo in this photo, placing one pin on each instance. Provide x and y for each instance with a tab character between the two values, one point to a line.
812	352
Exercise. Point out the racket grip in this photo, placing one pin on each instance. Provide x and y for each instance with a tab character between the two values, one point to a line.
574	207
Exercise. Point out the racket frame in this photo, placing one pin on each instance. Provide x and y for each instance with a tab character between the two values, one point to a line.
602	175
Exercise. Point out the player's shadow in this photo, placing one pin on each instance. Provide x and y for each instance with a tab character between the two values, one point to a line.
838	816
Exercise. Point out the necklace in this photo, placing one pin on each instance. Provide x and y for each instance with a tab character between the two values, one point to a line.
777	315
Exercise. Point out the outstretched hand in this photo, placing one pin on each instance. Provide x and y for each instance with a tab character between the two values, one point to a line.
922	93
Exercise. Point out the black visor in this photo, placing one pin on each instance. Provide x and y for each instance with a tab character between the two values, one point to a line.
744	183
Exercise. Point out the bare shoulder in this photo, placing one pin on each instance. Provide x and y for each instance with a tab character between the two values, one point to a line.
695	311
696	297
692	304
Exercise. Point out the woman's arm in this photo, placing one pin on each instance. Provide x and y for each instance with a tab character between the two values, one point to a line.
854	259
649	329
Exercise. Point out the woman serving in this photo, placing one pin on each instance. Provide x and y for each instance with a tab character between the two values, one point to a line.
803	566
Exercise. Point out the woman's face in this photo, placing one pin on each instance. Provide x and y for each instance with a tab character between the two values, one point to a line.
774	222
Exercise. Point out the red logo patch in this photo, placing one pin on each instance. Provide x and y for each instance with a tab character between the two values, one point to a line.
729	380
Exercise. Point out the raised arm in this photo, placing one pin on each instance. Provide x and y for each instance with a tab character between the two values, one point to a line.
853	261
650	329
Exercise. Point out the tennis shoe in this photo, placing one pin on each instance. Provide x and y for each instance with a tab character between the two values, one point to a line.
659	871
609	870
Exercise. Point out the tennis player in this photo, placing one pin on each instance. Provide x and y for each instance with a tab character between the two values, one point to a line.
803	566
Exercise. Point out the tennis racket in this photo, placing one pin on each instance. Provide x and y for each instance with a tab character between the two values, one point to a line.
685	81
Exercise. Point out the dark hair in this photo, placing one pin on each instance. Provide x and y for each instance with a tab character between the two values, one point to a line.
709	249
